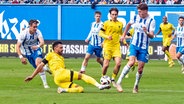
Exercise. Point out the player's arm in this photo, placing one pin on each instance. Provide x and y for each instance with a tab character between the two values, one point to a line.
18	46
38	69
158	31
102	33
89	36
150	34
125	31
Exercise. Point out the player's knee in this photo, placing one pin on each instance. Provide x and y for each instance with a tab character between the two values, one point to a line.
80	89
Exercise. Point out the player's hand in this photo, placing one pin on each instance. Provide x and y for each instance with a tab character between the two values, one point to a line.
122	39
34	47
110	37
87	41
29	78
23	60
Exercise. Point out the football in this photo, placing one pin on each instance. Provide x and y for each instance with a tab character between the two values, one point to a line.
105	80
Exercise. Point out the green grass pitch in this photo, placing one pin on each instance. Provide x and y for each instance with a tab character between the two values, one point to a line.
159	85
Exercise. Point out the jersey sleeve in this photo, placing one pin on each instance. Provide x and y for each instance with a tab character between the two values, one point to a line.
39	34
89	35
21	37
152	25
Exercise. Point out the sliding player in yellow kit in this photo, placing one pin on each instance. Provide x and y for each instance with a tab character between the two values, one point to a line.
63	77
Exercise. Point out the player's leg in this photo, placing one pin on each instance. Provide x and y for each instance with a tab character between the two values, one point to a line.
85	63
116	70
165	49
142	59
107	56
89	52
98	53
179	55
64	80
116	54
42	74
127	67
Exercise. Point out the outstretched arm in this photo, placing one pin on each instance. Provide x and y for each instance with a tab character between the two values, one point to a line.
38	69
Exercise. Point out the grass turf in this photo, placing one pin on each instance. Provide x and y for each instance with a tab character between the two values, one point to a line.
159	85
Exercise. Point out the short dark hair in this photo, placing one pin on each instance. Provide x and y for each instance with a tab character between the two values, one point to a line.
54	44
142	6
33	21
113	9
98	12
181	17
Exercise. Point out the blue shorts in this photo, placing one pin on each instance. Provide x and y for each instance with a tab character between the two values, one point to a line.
32	58
141	54
95	49
180	50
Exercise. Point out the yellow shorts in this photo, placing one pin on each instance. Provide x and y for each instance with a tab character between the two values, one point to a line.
64	78
113	52
167	42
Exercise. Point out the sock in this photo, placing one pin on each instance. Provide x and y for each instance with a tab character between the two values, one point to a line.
77	89
123	73
137	80
113	76
168	55
43	77
90	80
83	68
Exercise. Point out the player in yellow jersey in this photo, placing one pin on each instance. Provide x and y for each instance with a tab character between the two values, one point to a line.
167	30
111	32
63	77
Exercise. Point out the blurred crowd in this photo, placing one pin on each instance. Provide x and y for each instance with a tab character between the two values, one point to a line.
94	2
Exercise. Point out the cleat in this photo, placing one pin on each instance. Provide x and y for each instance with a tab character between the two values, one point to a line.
113	82
46	86
60	90
102	87
182	69
82	72
171	64
119	88
135	89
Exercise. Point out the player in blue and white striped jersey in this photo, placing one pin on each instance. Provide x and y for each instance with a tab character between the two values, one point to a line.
28	44
144	26
179	35
94	42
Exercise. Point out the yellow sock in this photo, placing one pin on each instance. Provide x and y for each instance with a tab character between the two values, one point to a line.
168	55
113	76
77	89
89	80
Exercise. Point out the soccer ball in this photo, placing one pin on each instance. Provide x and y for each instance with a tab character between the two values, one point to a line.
105	80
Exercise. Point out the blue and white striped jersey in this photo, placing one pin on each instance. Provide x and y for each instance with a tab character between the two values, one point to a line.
93	37
179	32
140	39
28	40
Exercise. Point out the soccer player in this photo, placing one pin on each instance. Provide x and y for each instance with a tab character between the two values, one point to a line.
111	32
63	77
179	35
144	26
95	42
29	44
167	30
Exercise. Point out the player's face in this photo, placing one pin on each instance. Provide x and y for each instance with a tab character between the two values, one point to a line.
164	19
143	13
97	17
181	21
114	15
59	49
33	28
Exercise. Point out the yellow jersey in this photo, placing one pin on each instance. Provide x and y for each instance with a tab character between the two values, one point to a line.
167	30
114	29
55	62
